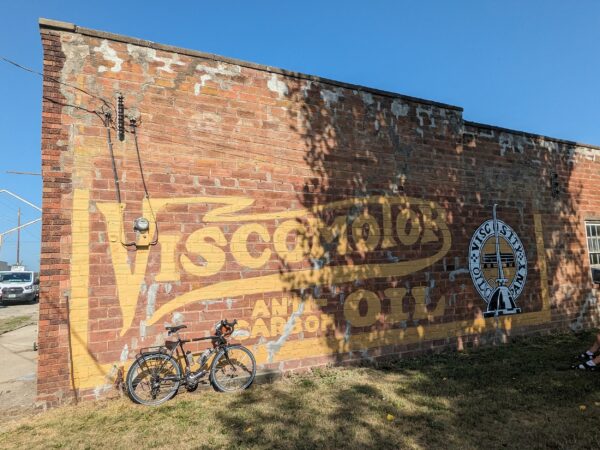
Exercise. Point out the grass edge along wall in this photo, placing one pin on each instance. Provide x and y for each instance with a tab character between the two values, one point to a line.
337	223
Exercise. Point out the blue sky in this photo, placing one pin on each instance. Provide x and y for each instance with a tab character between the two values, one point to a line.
529	65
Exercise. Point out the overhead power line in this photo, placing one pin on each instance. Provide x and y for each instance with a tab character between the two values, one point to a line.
56	80
23	173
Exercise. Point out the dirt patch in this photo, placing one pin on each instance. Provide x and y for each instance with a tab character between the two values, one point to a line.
14	323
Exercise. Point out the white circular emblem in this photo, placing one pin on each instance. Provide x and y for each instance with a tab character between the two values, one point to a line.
493	265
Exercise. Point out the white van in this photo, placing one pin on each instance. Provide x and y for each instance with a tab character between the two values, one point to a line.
19	286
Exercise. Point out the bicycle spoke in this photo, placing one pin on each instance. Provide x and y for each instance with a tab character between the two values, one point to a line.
154	379
234	370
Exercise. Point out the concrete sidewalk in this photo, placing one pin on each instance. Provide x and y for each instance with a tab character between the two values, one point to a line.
18	365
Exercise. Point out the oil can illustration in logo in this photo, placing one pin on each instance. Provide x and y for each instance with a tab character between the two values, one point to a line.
498	266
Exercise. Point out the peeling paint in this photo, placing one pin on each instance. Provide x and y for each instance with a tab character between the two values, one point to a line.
306	88
347	331
274	346
276	85
317	263
429	288
206	303
590	301
109	54
516	143
551	146
399	108
367	98
177	318
331	96
489	134
139	53
168	62
150	307
364	354
390	257
452	299
149	55
456	272
124	354
214	73
588	153
425	111
240	334
99	391
76	52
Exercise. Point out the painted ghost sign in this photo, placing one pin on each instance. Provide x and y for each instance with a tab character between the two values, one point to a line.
279	326
255	263
498	266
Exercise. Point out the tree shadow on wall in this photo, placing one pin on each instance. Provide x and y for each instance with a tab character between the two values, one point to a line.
395	189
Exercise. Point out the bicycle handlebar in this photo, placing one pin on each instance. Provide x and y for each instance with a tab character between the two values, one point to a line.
228	327
222	328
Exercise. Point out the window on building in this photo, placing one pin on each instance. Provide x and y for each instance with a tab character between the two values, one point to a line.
592	231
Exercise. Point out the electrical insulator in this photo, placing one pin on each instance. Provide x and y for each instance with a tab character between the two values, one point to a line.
120	118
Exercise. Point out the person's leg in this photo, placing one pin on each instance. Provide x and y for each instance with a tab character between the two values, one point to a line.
596	345
592	351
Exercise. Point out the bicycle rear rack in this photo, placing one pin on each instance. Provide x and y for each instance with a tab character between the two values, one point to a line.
149	350
169	348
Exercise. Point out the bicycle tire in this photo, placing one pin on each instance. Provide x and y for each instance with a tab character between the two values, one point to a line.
140	377
233	369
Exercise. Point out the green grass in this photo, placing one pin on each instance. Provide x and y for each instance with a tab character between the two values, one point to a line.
13	323
517	396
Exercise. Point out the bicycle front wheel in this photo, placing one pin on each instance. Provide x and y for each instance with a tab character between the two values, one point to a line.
233	369
153	379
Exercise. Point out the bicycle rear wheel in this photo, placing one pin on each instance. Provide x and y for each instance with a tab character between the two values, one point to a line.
233	369
153	379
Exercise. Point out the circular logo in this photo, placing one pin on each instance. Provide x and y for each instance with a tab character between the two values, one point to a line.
493	265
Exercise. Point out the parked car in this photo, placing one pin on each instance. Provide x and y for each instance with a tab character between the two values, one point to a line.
19	286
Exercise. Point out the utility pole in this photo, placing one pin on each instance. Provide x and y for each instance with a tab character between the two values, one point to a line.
19	226
18	236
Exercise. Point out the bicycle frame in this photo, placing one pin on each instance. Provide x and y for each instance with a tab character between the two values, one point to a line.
177	347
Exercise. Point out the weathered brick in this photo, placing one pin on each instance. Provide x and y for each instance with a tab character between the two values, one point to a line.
295	190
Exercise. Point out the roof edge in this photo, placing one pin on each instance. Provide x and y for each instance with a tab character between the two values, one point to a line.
73	28
70	27
56	24
531	135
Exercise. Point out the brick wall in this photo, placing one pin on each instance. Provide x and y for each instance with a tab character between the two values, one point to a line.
337	223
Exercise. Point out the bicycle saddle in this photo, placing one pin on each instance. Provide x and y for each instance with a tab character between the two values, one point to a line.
175	328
